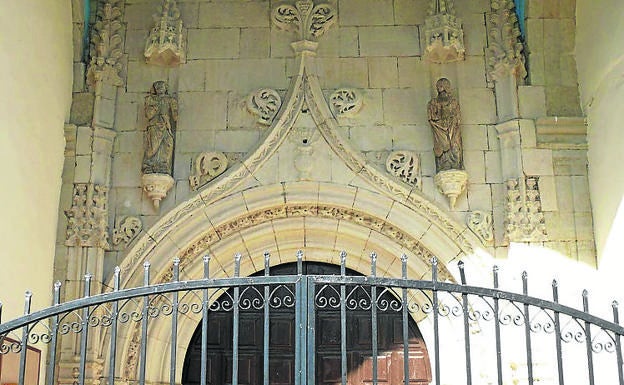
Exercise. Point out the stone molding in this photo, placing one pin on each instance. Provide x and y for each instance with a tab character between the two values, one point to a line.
264	104
165	44
87	219
126	229
107	45
561	132
307	20
208	165
504	52
444	33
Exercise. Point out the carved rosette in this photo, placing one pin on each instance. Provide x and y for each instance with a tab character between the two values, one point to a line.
107	45
264	104
208	165
126	229
87	219
403	165
444	33
504	51
307	20
525	220
480	222
165	44
451	183
157	186
345	102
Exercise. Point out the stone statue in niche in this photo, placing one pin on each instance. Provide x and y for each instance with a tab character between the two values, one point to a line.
161	111
443	114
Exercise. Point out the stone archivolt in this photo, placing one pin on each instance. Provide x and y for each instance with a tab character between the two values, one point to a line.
504	51
87	219
165	43
307	20
107	45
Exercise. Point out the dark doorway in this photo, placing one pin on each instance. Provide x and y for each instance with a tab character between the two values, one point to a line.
328	354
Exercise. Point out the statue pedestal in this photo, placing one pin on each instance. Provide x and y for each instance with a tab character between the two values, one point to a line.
156	186
451	183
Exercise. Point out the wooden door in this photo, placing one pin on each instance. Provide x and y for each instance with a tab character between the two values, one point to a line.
327	347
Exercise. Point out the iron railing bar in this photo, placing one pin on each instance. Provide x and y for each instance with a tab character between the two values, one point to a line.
405	326
301	321
588	341
54	323
343	322
618	343
527	330
497	332
265	358
462	275
558	335
24	351
284	279
310	335
436	320
113	335
235	322
174	324
85	332
374	342
144	323
204	335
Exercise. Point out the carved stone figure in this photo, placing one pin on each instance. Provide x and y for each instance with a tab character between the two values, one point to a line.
161	111
444	115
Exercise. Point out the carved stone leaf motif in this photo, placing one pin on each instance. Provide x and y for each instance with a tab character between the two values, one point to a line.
345	102
165	44
404	165
504	52
304	18
125	231
208	165
525	220
87	219
264	103
107	45
480	222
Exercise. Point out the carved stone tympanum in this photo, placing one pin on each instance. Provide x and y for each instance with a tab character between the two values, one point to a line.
161	111
345	102
165	43
264	104
208	165
307	20
126	229
87	219
404	165
445	36
525	220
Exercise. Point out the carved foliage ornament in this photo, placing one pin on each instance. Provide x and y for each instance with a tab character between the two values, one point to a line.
126	229
480	222
307	20
345	102
264	104
445	36
404	165
165	44
208	165
107	45
504	52
525	220
87	219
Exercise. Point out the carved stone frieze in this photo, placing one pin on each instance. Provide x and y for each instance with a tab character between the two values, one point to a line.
524	220
264	104
404	165
107	45
126	229
87	219
307	20
444	33
208	165
480	222
345	102
504	51
165	44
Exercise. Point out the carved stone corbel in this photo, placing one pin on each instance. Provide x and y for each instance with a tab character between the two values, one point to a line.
165	44
444	33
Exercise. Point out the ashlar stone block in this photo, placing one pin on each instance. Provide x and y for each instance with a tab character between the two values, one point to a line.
343	72
192	76
474	137
383	72
548	193
236	140
405	106
532	100
580	192
479	197
389	41
471	73
246	75
255	42
366	12
202	110
234	14
474	161
413	72
195	141
537	161
412	137
410	12
339	42
213	43
141	76
564	193
477	106
372	138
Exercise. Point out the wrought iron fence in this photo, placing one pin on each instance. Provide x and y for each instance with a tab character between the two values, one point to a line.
473	335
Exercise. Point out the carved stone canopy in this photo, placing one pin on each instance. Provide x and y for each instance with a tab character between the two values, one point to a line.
165	43
444	33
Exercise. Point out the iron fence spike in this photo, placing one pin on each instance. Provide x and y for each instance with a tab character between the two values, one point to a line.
615	304
555	283
403	257
176	261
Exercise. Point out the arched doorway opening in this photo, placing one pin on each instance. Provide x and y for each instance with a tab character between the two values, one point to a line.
327	346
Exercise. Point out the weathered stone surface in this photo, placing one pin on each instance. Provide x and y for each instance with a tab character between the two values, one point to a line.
202	110
213	43
233	14
389	41
382	72
366	12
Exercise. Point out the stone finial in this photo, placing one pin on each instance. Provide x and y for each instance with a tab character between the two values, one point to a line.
307	20
165	44
107	45
504	51
87	219
444	33
208	165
